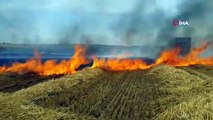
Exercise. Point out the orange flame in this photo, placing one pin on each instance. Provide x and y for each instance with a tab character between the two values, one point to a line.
172	57
168	57
120	64
50	67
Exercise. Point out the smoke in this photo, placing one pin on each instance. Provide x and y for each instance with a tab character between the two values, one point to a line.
138	27
73	33
133	22
145	24
199	15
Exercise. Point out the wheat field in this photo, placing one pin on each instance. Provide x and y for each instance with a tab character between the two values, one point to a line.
161	93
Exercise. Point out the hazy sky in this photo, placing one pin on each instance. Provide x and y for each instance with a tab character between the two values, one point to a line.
120	22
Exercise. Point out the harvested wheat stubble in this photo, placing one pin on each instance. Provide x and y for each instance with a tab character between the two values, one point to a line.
162	92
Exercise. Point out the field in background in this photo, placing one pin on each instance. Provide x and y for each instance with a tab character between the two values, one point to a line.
10	53
160	93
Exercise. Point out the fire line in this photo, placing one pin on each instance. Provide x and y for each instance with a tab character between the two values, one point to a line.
50	67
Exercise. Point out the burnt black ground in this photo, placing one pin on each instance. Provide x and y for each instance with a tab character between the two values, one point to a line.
11	82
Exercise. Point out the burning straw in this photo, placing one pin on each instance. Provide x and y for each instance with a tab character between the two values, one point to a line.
50	67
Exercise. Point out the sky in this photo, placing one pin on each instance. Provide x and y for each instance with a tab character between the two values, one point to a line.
108	22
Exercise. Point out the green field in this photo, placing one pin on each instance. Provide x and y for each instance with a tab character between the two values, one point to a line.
162	93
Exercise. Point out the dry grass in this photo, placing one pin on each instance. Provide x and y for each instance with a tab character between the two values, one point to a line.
162	93
19	105
183	95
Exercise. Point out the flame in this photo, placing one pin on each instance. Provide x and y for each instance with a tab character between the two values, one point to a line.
168	57
50	67
119	64
172	57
